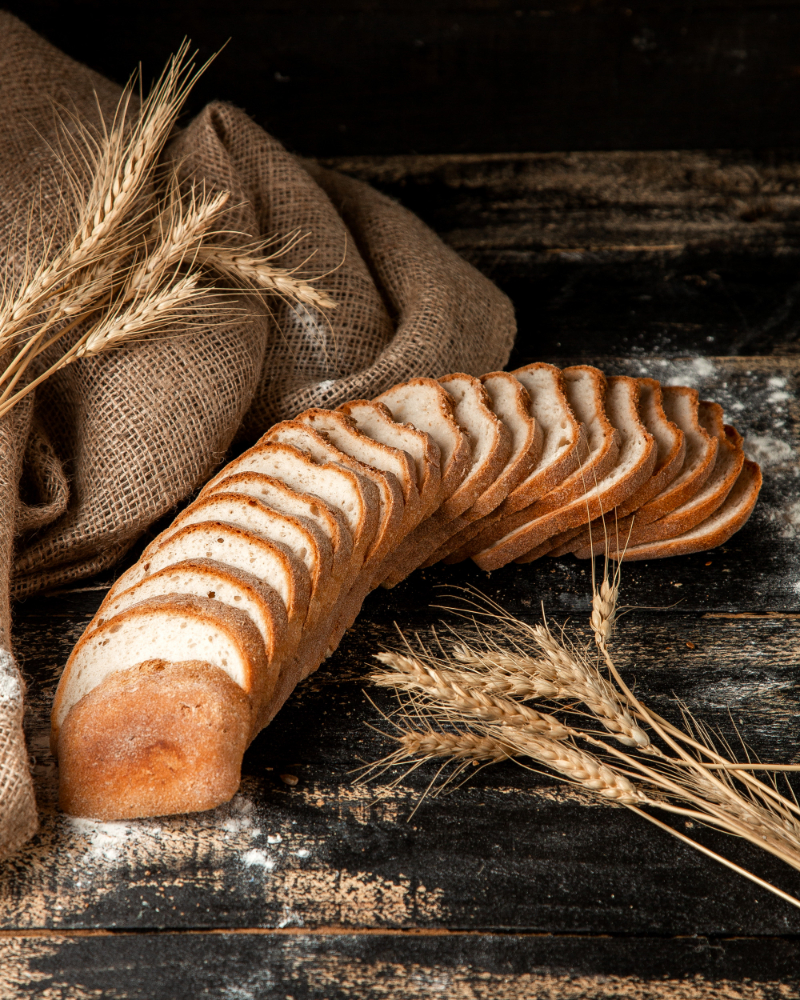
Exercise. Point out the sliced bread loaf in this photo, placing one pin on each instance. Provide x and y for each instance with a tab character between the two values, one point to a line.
153	739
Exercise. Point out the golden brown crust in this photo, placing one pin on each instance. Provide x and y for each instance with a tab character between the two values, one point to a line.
715	530
157	738
261	674
258	591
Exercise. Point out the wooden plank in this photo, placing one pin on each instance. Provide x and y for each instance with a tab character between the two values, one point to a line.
395	967
632	253
334	77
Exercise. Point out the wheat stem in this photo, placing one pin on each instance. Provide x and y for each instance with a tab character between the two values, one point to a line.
716	857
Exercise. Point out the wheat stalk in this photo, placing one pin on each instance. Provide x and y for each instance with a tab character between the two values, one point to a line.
479	693
138	260
258	272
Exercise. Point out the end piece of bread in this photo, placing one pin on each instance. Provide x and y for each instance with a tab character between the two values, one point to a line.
727	519
171	628
157	738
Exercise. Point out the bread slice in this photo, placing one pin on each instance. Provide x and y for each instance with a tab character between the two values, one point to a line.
206	578
343	434
728	465
376	421
715	530
634	465
170	628
354	496
384	485
490	445
682	408
426	406
561	430
269	561
670	446
302	538
280	497
153	739
511	403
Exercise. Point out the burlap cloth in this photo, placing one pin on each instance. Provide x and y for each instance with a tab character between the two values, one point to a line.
109	444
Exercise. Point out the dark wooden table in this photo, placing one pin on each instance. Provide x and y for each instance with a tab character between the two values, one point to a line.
680	266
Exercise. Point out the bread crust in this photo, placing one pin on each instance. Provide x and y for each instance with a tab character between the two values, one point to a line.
260	674
155	739
731	515
273	609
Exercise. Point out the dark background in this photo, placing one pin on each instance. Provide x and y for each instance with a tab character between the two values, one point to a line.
639	254
344	77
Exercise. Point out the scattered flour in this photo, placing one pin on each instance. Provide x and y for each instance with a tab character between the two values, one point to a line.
290	918
303	853
258	859
10	688
768	450
107	841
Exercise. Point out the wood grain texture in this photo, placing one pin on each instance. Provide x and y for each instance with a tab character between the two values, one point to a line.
663	253
387	967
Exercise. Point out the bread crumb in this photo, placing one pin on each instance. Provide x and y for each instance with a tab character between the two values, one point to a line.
289	779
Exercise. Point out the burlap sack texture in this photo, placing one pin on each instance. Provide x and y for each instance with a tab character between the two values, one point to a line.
111	443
